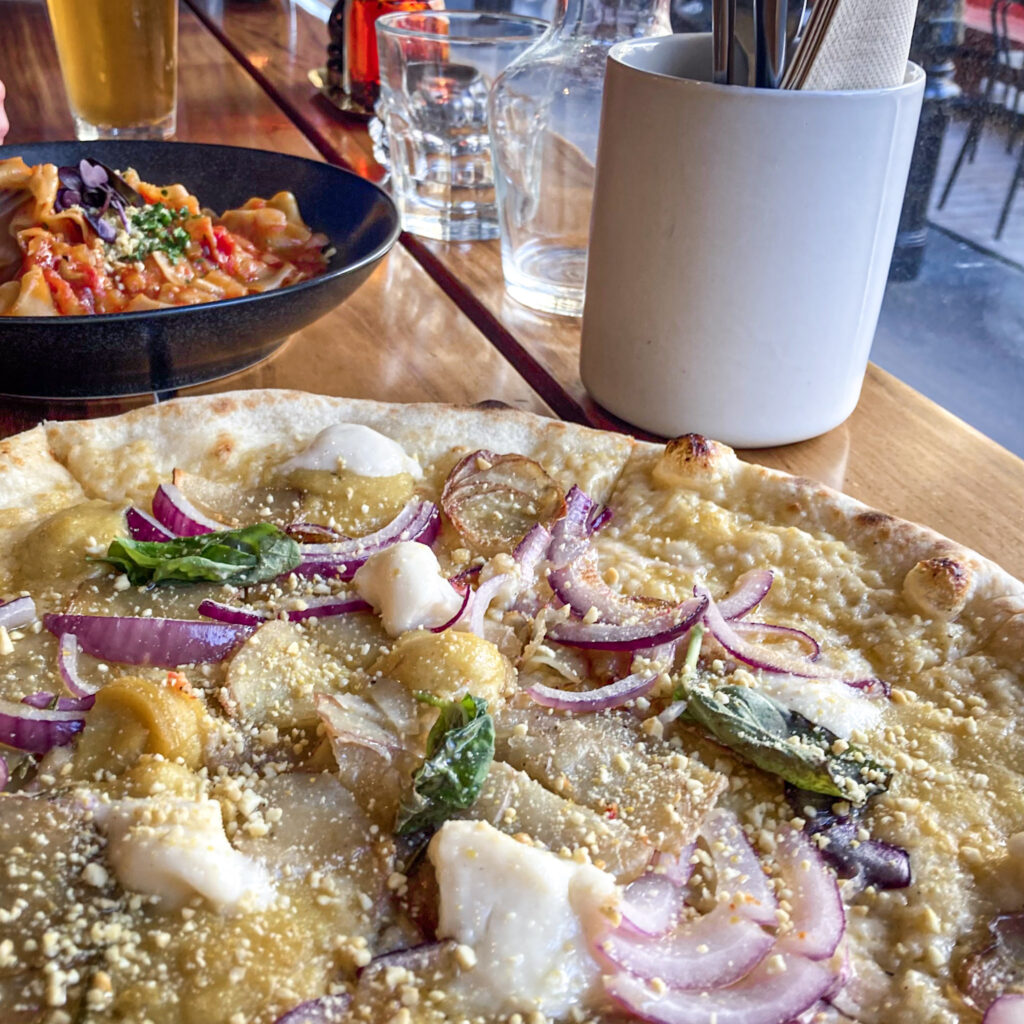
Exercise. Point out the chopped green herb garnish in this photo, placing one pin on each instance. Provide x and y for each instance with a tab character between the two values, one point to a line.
460	749
252	554
157	228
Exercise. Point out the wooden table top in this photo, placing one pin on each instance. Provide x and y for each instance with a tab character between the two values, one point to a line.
434	322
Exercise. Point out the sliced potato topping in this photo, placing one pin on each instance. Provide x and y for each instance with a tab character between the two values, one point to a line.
448	665
133	717
493	500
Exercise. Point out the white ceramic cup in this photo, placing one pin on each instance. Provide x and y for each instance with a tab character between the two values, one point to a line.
740	245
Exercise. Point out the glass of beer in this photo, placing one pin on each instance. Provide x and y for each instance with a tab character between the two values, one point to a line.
119	60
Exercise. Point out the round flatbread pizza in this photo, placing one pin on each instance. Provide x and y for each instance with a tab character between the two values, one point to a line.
319	711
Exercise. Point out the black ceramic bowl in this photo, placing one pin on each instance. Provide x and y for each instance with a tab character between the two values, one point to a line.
128	353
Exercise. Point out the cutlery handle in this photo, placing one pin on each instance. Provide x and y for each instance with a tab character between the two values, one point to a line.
771	19
723	33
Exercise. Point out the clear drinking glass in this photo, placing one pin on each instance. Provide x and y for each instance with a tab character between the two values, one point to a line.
436	71
119	61
545	111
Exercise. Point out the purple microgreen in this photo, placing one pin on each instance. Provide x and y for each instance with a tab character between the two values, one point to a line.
98	191
70	178
94	174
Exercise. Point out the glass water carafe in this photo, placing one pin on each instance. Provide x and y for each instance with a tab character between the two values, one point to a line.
545	109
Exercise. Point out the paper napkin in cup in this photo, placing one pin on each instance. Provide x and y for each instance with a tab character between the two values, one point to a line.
865	46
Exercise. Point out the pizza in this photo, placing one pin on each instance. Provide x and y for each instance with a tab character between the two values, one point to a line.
322	710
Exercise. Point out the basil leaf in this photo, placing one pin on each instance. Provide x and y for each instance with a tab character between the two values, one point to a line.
460	749
249	555
784	742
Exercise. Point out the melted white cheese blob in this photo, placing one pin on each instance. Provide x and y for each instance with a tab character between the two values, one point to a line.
527	914
405	585
360	450
174	849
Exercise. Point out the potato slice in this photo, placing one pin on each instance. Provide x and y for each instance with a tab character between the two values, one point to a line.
448	665
319	826
514	803
275	674
606	763
133	716
493	500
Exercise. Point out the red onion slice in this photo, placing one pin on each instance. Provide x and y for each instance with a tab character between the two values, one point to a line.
871	861
769	659
174	511
327	608
325	568
579	585
747	593
768	630
482	598
37	730
651	905
530	550
18	612
325	1010
599	518
613	695
318	609
816	908
142	526
570	536
419	520
44	699
167	643
67	665
738	871
232	614
5	774
428	957
710	952
775	992
872	687
1007	1009
657	629
677	868
467	595
315	533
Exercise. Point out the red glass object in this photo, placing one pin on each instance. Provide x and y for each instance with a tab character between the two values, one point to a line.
354	44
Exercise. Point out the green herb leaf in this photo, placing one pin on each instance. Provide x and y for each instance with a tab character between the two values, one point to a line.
460	749
249	555
784	742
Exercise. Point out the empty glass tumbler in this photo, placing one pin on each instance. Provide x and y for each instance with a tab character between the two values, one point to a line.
436	71
545	110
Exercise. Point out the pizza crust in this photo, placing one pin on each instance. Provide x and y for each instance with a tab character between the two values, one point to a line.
33	485
234	436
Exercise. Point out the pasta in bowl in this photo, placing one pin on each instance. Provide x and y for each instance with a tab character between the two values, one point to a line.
86	239
245	280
